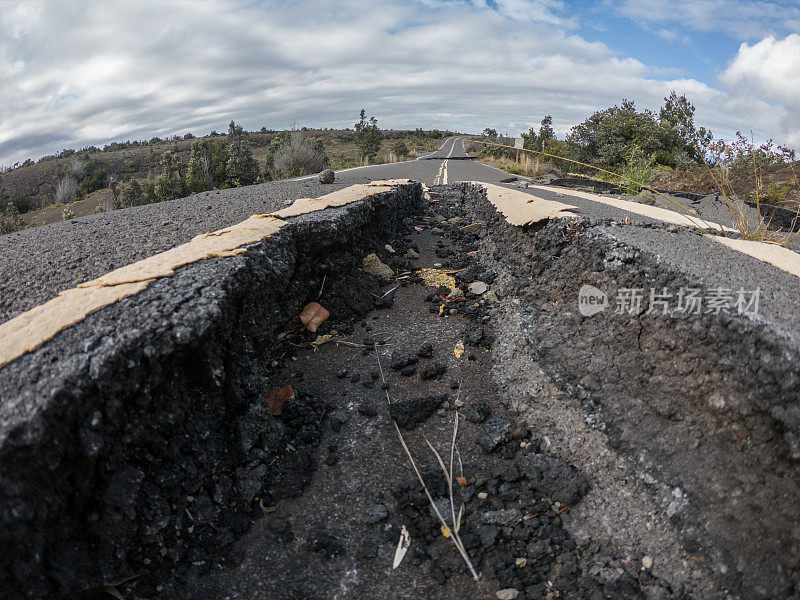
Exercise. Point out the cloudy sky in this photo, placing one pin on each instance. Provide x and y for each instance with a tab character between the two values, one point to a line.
74	74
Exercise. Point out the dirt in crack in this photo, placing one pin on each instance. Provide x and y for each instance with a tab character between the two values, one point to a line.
331	528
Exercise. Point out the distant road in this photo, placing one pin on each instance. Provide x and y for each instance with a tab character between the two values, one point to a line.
37	264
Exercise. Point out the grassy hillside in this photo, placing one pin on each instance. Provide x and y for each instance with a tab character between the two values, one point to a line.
31	187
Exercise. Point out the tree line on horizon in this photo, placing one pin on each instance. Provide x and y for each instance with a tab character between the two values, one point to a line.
633	143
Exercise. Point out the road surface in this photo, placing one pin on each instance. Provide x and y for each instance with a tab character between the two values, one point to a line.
38	264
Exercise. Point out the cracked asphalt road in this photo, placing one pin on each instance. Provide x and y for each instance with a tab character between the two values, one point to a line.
39	263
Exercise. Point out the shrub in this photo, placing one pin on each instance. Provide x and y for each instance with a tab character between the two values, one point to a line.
67	214
95	177
399	148
131	194
170	184
242	167
638	170
9	219
298	155
207	165
66	190
77	168
21	201
368	136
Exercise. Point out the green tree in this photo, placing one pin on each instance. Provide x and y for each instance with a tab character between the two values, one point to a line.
609	136
200	176
546	132
171	183
489	132
539	141
399	148
677	115
95	177
368	136
21	201
10	220
242	167
132	195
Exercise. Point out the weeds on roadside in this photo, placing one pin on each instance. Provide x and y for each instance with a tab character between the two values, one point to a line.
761	231
747	231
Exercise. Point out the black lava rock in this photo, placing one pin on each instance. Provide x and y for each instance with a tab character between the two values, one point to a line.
493	434
326	545
408	371
556	478
474	333
368	409
400	360
477	412
433	371
425	351
410	413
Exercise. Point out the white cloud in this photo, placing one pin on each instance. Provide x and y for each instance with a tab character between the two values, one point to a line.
75	74
742	20
771	67
770	71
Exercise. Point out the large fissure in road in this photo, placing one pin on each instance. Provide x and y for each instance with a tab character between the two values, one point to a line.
604	456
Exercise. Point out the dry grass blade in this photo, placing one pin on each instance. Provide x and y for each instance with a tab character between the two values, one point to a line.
402	547
456	521
454	535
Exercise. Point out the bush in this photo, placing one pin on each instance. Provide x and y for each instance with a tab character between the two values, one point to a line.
242	167
368	136
66	190
638	170
670	138
10	220
95	177
208	163
77	168
131	194
298	155
22	202
170	184
399	148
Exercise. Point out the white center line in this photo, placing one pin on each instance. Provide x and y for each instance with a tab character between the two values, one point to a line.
444	175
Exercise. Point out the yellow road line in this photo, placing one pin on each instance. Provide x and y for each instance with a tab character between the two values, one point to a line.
520	208
34	327
778	256
654	212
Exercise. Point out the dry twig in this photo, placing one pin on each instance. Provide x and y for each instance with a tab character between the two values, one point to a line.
456	519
